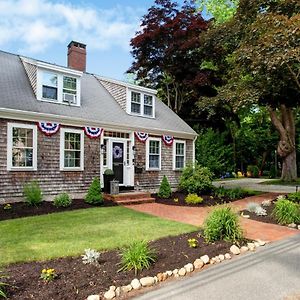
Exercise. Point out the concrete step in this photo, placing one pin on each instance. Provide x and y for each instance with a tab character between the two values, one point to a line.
127	196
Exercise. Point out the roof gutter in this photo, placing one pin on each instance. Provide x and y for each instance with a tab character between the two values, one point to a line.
8	113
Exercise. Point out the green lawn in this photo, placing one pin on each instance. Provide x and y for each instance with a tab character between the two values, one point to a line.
69	233
280	182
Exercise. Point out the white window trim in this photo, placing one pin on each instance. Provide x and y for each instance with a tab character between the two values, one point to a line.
10	127
128	104
62	149
147	154
60	77
174	154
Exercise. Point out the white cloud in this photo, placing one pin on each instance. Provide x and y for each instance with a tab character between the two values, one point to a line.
39	24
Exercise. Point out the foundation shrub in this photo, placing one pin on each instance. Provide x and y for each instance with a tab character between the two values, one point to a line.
32	193
165	188
62	200
94	195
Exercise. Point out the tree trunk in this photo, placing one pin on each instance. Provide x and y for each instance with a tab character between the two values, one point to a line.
286	148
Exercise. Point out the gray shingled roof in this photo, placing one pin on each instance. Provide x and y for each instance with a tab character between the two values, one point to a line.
97	104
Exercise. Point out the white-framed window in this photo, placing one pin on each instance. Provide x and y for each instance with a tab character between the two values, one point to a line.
141	104
71	149
53	86
21	147
153	154
179	150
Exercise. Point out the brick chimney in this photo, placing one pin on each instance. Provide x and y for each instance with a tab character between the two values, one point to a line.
77	56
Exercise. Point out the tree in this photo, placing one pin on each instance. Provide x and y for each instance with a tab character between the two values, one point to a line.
257	54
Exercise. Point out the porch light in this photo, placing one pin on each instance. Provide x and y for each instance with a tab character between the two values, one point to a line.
103	148
133	150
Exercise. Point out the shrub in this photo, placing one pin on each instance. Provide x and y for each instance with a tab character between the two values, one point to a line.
3	285
7	206
222	224
90	257
137	256
165	188
32	193
108	172
62	200
48	274
252	206
236	193
294	197
193	199
286	212
196	179
94	194
266	203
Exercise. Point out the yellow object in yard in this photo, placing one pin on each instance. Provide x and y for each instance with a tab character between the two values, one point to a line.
240	174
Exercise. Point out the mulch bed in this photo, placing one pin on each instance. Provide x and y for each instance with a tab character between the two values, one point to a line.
208	200
266	219
22	209
77	280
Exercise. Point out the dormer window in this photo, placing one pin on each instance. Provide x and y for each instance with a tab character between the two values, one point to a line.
59	85
141	104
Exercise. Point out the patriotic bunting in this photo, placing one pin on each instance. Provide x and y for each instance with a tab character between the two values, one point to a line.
48	128
142	136
168	140
93	132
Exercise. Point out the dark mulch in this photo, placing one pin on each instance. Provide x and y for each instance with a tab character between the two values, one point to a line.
266	219
208	200
77	281
22	209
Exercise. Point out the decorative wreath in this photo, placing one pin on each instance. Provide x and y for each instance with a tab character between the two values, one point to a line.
117	152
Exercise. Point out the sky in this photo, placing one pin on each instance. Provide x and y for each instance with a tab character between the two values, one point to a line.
42	29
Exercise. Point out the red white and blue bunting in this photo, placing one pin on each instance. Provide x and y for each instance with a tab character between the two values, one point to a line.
142	136
93	132
168	140
48	128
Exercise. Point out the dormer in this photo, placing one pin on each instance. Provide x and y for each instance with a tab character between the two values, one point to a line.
58	84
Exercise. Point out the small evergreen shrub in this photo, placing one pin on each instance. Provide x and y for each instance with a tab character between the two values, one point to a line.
94	195
108	172
197	180
164	189
294	197
193	199
222	224
137	256
62	200
286	212
32	193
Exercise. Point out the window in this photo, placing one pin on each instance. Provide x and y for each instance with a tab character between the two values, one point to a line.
69	89
21	147
135	103
71	147
141	104
179	155
148	105
153	154
50	86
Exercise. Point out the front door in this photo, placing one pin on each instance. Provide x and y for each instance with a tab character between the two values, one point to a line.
118	161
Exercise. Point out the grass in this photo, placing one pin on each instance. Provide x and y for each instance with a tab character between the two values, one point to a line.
280	182
69	233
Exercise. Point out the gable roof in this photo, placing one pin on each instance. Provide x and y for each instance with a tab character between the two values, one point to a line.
100	105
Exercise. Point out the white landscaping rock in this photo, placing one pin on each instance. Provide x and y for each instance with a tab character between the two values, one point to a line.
235	250
175	271
169	273
299	227
147	281
155	279
135	283
221	257
251	246
244	249
93	297
256	244
112	288
205	259
198	263
292	225
126	288
118	292
182	272
261	243
227	256
110	295
189	268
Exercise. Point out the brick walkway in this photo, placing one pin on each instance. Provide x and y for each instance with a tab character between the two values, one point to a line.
196	216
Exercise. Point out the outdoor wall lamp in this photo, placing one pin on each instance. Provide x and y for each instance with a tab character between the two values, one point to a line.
133	150
103	148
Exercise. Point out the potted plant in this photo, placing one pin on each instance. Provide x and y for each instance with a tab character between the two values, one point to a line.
108	176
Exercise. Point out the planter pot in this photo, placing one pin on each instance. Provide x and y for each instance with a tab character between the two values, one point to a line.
107	179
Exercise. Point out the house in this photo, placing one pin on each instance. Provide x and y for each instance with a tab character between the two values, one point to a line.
62	126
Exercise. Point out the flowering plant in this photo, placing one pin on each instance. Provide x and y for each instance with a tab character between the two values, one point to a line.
48	274
193	243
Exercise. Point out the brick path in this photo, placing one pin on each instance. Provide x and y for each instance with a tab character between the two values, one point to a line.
196	216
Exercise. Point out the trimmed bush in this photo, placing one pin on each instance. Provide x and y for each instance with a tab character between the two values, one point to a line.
165	188
286	212
32	193
62	200
232	194
193	199
196	180
94	195
294	197
222	224
137	256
